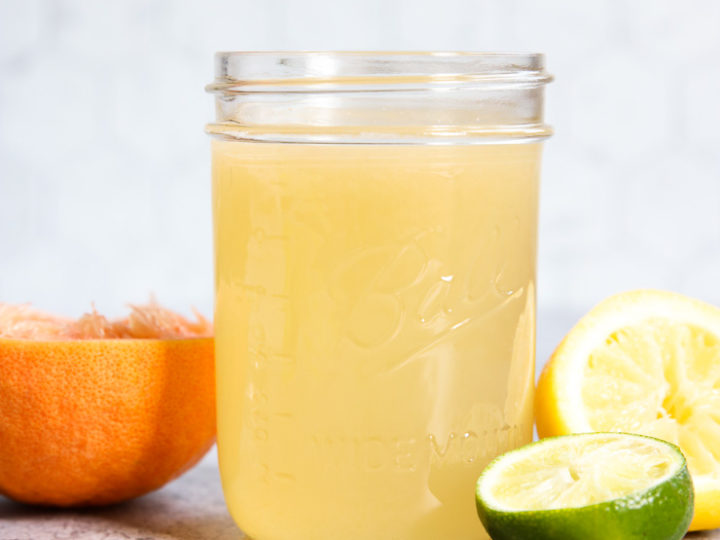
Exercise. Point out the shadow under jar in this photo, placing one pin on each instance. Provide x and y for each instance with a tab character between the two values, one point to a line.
375	222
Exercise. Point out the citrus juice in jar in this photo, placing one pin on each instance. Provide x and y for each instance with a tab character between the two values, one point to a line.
375	235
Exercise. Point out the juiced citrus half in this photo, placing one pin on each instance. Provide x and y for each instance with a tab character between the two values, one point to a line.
593	486
645	362
94	411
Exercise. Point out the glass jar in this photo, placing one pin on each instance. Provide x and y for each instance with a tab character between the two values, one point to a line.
375	242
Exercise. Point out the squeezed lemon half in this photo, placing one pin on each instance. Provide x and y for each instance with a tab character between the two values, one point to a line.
644	362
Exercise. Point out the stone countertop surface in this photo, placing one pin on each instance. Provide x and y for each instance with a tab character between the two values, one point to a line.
191	507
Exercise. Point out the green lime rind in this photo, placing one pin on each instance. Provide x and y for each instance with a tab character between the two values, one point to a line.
661	512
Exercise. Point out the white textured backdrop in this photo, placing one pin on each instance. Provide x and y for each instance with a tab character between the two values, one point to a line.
104	167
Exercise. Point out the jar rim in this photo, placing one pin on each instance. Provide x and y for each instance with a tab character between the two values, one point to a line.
379	97
263	70
376	52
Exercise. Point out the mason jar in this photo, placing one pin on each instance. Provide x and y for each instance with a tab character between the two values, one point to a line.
375	225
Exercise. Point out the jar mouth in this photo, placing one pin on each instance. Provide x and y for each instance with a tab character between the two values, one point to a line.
362	71
379	97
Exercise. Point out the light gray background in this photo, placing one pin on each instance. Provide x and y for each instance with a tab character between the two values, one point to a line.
104	166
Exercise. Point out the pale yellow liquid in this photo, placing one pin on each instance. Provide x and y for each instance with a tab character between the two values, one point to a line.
374	333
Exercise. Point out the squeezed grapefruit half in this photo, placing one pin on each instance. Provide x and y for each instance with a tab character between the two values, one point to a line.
96	411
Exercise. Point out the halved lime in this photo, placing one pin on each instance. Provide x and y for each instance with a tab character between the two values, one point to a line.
604	486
